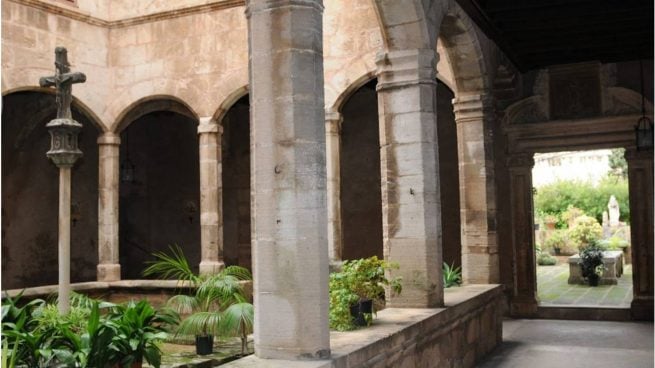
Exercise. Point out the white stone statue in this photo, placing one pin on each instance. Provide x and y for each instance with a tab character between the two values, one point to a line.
613	207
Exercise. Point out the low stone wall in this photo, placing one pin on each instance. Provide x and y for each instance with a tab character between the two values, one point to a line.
456	336
157	292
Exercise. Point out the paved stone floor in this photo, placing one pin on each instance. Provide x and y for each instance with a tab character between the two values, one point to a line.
553	289
573	344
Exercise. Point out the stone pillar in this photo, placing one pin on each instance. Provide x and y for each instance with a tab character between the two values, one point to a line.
333	121
474	117
109	268
289	216
640	181
211	219
524	296
64	239
411	211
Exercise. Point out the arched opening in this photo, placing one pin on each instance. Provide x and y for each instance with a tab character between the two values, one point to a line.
236	184
449	177
30	195
359	160
159	189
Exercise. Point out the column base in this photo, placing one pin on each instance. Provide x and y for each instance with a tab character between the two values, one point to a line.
211	267
522	306
641	309
109	272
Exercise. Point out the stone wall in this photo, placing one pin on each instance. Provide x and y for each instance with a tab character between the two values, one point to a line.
456	336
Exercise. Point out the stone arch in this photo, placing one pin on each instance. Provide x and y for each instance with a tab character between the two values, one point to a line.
419	23
410	24
228	90
345	94
151	104
462	42
83	108
30	192
228	102
159	185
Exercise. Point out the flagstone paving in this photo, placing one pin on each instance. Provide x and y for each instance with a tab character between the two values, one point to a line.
553	288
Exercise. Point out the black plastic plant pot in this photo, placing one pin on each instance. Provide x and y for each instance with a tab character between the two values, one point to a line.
204	345
593	280
358	310
366	306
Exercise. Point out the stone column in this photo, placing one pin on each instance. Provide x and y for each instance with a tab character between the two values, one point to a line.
411	211
640	181
211	219
109	268
289	209
474	117
524	296
333	122
64	239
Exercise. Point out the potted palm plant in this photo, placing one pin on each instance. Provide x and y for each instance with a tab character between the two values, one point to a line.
213	306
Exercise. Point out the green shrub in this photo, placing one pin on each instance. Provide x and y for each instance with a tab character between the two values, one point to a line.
556	241
359	280
555	199
614	243
545	259
585	231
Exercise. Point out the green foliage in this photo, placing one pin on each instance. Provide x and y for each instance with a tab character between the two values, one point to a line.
585	231
545	259
359	279
614	243
556	240
591	261
138	328
217	302
618	164
452	276
555	199
35	335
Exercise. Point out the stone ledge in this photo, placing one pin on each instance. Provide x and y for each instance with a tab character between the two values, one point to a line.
460	334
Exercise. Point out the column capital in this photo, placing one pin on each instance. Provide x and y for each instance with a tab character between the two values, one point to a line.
209	125
472	107
109	138
258	6
400	68
634	155
520	161
333	121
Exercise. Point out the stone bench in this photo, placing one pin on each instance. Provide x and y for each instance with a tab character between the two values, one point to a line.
612	261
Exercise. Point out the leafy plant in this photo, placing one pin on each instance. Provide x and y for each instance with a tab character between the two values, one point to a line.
585	231
591	262
614	243
545	259
556	240
212	297
138	329
452	276
359	280
571	214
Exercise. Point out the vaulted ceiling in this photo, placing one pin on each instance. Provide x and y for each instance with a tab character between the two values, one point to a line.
538	33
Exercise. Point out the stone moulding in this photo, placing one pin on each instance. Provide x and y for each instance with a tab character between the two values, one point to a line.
78	15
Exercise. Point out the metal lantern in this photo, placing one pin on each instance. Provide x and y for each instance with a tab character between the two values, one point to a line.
644	133
63	142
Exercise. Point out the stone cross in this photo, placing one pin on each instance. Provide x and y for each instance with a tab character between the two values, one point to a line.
63	82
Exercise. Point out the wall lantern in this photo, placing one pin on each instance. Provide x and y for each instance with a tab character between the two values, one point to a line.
644	127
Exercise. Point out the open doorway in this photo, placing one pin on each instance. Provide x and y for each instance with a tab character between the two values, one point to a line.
582	229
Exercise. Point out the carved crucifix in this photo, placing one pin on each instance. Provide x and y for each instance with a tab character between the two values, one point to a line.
63	82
